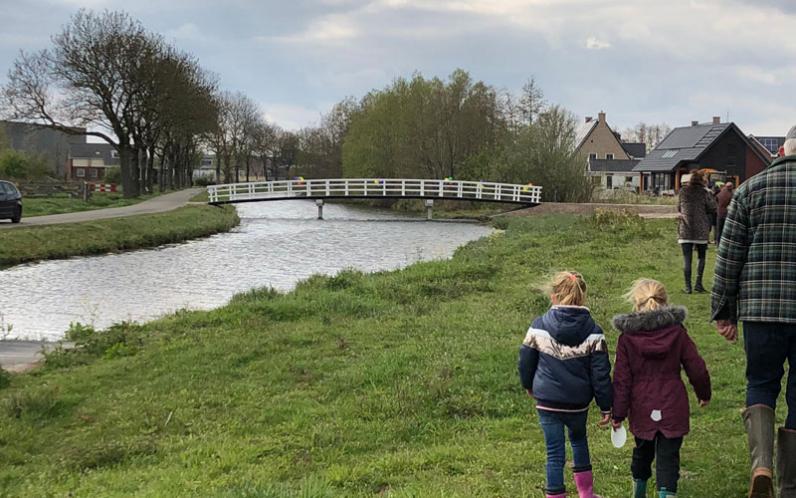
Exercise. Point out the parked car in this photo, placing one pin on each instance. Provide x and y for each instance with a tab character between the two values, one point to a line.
10	202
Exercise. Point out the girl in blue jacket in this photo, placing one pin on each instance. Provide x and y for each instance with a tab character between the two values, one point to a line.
563	365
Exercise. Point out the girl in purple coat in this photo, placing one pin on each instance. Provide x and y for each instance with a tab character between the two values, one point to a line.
653	348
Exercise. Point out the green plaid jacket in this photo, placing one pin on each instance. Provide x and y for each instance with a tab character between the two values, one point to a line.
756	265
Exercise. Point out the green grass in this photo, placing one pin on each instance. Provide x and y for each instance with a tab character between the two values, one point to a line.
39	206
397	384
20	245
200	197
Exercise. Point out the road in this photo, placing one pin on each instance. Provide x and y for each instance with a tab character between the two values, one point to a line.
159	204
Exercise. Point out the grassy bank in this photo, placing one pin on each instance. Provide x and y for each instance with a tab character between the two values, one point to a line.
396	384
59	204
19	245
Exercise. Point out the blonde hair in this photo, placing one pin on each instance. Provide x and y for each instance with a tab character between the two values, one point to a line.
569	288
647	294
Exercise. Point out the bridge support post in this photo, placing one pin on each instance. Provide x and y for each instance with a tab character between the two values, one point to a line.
319	203
429	209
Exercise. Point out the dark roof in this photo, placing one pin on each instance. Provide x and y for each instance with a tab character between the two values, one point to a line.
635	149
87	150
612	165
686	143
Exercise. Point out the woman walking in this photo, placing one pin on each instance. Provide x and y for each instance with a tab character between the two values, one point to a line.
696	206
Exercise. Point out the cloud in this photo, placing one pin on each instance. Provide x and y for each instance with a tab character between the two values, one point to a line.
594	43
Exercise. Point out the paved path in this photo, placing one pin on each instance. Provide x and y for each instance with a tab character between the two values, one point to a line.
18	356
159	204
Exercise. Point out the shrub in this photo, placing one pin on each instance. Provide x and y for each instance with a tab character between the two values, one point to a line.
204	181
5	379
113	175
21	166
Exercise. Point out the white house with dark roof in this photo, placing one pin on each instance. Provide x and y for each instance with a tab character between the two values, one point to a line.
90	161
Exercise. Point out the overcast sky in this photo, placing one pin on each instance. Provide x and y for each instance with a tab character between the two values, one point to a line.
638	60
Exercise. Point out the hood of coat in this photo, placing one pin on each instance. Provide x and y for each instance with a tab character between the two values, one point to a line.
569	325
654	332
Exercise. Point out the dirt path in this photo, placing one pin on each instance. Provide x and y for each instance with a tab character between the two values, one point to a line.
159	204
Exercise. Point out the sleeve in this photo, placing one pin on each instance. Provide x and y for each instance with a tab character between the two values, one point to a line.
601	376
623	382
732	253
695	369
527	363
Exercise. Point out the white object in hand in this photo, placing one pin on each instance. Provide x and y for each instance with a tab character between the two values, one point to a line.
619	436
656	415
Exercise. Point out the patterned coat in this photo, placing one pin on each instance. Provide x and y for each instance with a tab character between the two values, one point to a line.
696	204
756	264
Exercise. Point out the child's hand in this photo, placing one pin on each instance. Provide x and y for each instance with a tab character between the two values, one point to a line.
703	403
616	424
604	420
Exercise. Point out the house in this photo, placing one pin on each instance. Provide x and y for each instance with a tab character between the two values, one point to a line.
51	145
206	168
715	145
90	161
610	160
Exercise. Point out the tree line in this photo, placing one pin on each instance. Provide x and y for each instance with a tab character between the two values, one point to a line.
449	128
106	76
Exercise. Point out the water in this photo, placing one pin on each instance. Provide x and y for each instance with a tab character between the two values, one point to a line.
276	245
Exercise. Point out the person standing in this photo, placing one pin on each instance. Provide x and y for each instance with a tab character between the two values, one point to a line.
723	199
755	282
695	205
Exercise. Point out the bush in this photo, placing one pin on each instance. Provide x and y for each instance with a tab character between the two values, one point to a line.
21	166
5	379
204	181
113	175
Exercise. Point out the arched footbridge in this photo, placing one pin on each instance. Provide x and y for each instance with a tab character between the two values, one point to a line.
375	188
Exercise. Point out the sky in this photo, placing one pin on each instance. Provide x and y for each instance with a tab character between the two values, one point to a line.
648	61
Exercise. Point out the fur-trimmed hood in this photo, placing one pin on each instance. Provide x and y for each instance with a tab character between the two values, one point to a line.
650	320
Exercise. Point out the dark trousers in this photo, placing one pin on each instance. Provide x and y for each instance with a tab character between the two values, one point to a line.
719	228
553	425
768	346
688	250
667	468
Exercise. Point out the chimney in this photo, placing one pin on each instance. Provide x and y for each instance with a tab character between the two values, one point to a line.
588	119
716	119
601	117
694	123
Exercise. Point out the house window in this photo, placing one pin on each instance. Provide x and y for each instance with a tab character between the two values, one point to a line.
207	162
629	179
609	181
669	153
592	156
609	156
80	172
93	172
115	154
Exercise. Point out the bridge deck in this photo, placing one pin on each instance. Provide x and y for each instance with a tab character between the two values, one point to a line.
374	188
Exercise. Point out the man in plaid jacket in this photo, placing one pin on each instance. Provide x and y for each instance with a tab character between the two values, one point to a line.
755	283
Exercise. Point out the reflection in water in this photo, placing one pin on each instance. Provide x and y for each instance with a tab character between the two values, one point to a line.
277	244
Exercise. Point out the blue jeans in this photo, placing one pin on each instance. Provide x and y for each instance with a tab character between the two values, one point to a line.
553	424
768	346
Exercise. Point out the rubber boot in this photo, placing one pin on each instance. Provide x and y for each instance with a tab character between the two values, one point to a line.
687	278
700	272
584	481
639	488
786	463
759	421
665	494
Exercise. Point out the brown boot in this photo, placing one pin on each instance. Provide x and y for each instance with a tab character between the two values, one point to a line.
786	463
759	421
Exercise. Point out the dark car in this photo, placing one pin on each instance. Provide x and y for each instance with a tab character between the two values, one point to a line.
10	202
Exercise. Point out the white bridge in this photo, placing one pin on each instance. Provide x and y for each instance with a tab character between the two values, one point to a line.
375	188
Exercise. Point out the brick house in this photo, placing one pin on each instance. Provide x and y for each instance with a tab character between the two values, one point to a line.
90	161
610	160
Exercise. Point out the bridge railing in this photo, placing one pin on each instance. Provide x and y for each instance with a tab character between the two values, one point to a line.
374	187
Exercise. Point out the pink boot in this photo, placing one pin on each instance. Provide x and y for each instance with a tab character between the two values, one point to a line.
584	481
